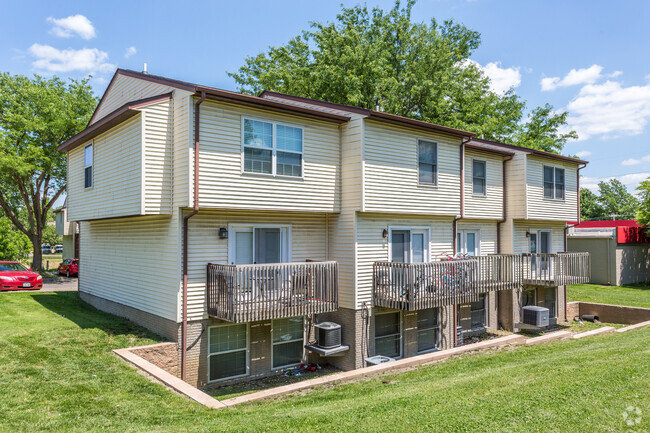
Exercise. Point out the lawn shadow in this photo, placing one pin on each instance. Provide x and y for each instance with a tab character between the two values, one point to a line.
637	286
70	306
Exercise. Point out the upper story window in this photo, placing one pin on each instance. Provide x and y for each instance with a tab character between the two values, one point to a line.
553	182
272	148
478	177
428	162
88	166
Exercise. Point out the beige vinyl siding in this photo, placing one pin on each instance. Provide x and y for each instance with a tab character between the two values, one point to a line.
372	247
132	261
117	175
157	173
487	234
127	89
223	185
545	208
308	241
343	225
391	172
183	145
490	205
521	243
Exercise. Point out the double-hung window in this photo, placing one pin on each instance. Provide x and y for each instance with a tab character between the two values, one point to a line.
478	177
553	182
88	166
388	334
427	162
428	329
287	341
227	351
272	148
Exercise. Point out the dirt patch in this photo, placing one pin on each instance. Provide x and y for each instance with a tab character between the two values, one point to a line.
163	355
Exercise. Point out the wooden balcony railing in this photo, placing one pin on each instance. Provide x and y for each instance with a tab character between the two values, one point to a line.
246	293
416	286
556	269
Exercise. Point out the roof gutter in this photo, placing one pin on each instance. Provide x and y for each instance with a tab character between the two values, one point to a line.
186	218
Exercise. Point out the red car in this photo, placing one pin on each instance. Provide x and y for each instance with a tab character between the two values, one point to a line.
69	268
14	276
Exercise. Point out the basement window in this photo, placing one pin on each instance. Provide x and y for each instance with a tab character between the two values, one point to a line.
388	334
227	352
428	329
287	341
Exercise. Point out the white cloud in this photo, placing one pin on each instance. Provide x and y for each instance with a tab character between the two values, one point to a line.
583	153
609	109
633	161
574	77
87	60
74	24
631	181
501	79
129	52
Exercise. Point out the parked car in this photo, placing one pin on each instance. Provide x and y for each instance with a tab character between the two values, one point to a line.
69	268
46	249
14	276
58	249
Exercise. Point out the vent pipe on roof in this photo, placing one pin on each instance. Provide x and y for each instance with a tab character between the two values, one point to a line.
144	69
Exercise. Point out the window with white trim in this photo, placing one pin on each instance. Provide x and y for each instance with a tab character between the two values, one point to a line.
88	166
409	245
428	329
427	162
388	334
554	182
287	341
468	242
478	177
251	244
227	351
272	148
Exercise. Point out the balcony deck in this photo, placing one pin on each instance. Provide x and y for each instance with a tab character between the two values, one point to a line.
416	286
247	293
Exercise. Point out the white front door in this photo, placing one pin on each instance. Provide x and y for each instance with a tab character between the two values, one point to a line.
251	244
409	245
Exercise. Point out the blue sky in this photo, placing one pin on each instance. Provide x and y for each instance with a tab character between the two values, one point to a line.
588	57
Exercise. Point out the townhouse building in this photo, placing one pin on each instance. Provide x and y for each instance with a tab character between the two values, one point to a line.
232	224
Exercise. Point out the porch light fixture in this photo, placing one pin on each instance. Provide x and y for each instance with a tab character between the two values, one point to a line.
223	233
527	234
384	234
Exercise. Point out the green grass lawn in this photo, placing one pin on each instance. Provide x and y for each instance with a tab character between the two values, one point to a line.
58	374
637	295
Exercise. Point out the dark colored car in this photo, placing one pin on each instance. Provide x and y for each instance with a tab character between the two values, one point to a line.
69	268
14	276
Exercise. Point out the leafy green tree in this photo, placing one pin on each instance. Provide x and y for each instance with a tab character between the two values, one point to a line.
616	201
378	59
590	209
643	213
36	116
14	245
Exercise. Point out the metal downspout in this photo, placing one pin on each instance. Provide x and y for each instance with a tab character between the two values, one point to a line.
197	112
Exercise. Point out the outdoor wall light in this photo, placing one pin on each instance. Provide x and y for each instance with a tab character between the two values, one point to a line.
223	233
527	234
384	234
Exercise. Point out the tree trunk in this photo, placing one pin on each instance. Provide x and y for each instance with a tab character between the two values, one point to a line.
37	259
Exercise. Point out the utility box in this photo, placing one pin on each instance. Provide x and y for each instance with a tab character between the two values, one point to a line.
536	316
328	335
